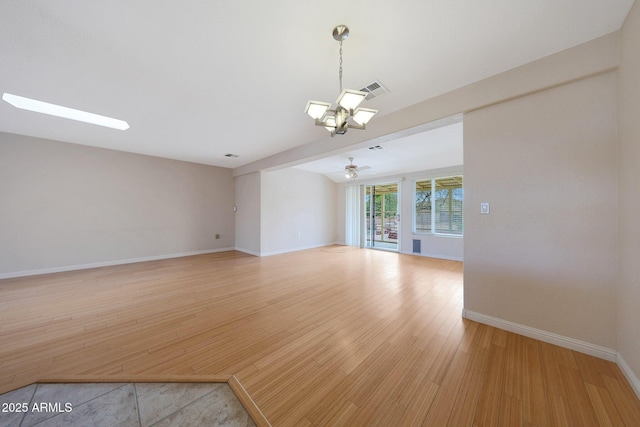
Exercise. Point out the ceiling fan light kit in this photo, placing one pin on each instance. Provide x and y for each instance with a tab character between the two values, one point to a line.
351	170
347	113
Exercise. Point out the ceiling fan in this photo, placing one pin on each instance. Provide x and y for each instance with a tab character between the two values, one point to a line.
351	170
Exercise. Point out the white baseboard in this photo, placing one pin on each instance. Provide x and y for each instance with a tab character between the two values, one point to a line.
560	340
106	263
549	337
633	379
439	256
301	248
285	251
246	251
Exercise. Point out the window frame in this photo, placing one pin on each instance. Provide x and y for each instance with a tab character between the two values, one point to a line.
432	231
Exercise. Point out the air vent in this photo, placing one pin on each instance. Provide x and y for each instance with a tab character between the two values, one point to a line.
374	90
376	147
231	155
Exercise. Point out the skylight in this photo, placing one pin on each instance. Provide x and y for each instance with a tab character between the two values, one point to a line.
64	112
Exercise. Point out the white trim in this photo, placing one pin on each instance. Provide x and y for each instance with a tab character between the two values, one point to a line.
286	251
428	233
247	251
429	255
106	263
629	374
538	334
302	248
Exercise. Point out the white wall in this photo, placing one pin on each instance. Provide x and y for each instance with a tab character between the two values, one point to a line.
247	225
66	206
298	211
546	256
629	161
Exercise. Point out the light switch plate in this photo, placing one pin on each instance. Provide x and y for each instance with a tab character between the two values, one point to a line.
484	208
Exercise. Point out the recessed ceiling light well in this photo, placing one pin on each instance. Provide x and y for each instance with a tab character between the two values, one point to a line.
64	112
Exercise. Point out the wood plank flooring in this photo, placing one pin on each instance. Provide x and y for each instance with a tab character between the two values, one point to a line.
324	337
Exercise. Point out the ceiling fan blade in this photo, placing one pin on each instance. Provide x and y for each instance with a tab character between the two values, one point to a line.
367	172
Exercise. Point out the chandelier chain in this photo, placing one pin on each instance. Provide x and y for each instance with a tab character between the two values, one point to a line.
340	70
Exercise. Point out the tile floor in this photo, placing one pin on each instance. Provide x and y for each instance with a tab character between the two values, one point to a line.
123	404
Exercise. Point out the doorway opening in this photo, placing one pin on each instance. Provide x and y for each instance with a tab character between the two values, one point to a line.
382	219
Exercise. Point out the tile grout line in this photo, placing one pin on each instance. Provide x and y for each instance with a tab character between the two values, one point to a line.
24	415
121	385
180	409
135	392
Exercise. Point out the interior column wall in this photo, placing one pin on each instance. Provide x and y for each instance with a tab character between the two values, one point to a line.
248	213
629	135
297	211
546	255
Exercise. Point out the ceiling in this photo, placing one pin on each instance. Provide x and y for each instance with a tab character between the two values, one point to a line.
431	149
196	80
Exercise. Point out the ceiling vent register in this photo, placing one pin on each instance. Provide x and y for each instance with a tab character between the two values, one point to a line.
374	90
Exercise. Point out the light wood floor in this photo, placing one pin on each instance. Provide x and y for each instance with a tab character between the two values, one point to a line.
332	336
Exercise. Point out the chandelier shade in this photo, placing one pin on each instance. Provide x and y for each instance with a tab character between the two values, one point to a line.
363	115
329	122
351	99
347	113
316	109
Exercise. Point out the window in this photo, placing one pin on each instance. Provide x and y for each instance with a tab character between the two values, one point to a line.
423	206
439	203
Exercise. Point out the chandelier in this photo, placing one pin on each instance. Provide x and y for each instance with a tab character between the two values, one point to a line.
347	114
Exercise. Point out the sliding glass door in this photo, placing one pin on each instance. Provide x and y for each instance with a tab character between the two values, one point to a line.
382	219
